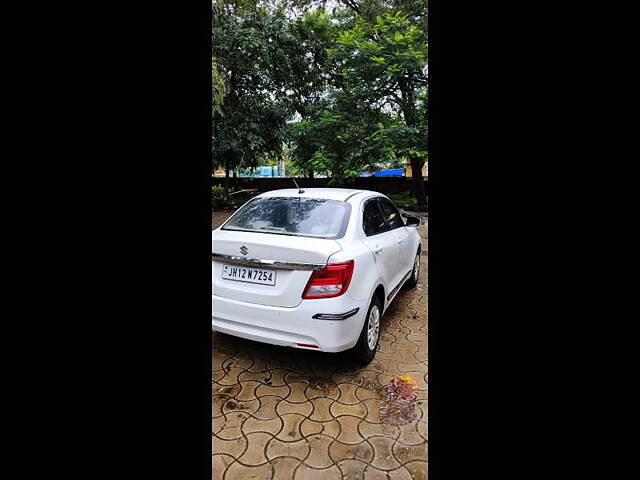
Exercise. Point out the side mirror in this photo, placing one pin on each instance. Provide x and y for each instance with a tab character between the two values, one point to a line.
413	222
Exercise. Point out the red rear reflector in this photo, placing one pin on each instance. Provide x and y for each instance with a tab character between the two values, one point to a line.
308	345
332	281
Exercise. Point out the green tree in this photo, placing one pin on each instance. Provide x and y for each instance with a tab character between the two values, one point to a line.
250	118
384	64
339	139
339	89
309	70
218	86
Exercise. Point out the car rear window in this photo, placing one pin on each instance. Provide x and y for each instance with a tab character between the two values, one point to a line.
305	217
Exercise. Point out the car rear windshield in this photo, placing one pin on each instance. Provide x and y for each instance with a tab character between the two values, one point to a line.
305	217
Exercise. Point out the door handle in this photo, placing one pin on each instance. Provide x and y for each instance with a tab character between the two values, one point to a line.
400	240
378	250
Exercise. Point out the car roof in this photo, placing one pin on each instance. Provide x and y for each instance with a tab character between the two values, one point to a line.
340	194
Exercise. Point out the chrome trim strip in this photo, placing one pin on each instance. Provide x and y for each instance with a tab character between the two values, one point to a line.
336	316
256	262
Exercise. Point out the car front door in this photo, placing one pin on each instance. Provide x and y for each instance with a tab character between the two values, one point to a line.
382	241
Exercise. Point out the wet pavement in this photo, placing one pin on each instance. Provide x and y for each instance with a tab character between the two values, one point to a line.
282	413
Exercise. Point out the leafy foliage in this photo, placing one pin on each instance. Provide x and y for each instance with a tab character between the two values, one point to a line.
384	66
250	120
219	199
338	89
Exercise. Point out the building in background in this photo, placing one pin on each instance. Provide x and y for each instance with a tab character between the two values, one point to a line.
263	172
267	171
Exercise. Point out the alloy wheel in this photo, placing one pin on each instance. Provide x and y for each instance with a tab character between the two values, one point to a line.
373	327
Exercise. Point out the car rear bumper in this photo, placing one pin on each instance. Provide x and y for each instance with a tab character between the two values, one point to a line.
291	326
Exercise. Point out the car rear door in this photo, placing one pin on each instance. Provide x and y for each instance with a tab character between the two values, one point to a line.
381	241
395	222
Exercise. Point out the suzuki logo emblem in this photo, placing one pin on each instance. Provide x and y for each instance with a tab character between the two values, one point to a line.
244	250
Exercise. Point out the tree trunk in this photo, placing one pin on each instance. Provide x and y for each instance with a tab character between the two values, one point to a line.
235	179
226	175
408	110
310	173
419	191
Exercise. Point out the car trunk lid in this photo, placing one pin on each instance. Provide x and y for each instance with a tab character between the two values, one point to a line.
295	253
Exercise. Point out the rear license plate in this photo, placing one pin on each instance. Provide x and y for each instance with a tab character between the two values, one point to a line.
249	275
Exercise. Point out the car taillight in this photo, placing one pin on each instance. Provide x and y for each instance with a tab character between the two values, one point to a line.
332	281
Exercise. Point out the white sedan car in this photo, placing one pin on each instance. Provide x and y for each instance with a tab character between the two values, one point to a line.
312	269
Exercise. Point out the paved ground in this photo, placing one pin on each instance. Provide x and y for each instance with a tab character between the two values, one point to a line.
282	413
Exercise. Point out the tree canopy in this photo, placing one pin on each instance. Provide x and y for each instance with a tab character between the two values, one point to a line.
340	85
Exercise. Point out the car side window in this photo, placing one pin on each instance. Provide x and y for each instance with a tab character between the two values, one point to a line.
391	214
372	219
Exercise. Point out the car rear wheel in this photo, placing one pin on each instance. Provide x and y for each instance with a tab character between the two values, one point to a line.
365	349
415	273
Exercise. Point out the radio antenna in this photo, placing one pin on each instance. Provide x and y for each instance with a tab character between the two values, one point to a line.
296	184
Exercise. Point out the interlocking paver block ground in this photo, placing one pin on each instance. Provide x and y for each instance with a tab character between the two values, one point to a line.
282	413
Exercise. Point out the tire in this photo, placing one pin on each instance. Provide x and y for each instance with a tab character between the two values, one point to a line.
363	352
415	273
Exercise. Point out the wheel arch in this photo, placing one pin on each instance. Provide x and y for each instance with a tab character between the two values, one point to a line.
380	293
